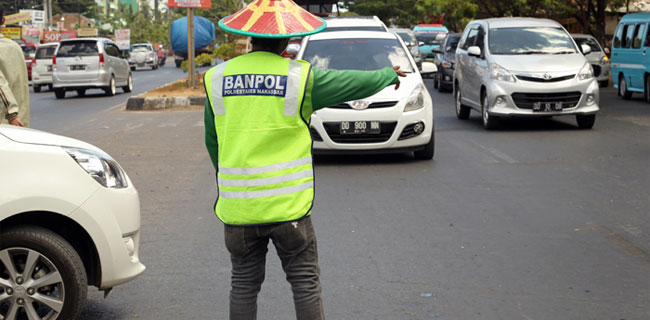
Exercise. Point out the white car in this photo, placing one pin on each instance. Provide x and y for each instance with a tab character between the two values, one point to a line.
389	121
42	66
597	57
355	23
70	218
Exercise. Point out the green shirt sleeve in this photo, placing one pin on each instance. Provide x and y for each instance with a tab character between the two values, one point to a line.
337	86
210	134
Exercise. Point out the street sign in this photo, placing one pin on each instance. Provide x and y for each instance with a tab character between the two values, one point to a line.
196	4
87	32
123	38
17	17
32	34
37	17
12	32
51	36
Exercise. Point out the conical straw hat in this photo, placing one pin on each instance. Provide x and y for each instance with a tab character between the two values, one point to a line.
272	19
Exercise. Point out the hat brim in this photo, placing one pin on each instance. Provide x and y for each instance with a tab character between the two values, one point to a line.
223	26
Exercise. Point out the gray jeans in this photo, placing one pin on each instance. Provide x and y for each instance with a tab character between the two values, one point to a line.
295	243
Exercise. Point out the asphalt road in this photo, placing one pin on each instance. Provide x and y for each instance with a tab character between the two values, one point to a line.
538	220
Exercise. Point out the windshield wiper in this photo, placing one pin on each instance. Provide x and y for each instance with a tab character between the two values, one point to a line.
534	52
564	52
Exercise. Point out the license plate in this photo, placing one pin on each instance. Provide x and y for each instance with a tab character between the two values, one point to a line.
140	64
547	106
76	68
360	127
49	68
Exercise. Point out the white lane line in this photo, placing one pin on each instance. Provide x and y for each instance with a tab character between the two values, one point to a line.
502	157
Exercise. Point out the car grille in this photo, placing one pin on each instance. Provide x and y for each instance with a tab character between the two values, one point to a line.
536	79
333	130
596	70
374	105
526	100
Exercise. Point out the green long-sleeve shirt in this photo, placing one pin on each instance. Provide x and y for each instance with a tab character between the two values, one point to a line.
331	87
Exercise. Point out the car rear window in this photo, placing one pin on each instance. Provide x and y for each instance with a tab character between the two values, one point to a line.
357	54
351	28
78	49
45	52
590	42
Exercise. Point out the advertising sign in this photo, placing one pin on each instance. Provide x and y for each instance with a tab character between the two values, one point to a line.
68	34
87	32
123	38
51	36
32	34
37	17
197	4
12	32
17	17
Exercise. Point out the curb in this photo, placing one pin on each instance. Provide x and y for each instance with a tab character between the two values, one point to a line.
151	103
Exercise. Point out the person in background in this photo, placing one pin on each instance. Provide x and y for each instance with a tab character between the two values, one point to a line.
14	85
161	55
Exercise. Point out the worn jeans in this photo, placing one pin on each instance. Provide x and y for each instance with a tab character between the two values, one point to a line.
295	243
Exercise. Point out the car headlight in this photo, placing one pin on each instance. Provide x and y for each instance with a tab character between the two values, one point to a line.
100	166
587	72
604	60
499	73
416	99
415	52
447	64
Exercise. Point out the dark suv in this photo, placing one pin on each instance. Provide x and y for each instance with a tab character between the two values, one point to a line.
446	61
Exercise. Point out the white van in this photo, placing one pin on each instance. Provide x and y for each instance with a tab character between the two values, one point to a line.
42	66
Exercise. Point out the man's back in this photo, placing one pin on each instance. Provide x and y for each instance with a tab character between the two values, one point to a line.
14	72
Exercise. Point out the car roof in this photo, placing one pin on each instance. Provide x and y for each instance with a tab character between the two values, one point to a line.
49	44
87	39
639	16
355	21
580	35
353	35
520	22
400	30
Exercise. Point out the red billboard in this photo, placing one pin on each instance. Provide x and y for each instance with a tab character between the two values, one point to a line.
196	4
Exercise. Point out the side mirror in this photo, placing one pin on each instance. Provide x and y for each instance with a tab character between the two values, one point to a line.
437	50
420	43
607	51
428	67
293	49
474	51
585	49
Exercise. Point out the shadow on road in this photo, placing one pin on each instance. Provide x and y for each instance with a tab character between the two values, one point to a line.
97	310
355	159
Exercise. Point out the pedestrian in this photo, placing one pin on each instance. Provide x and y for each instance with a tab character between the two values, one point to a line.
257	134
14	85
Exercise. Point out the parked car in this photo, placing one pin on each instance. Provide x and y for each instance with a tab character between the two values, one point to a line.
70	219
389	121
445	62
516	67
412	43
597	57
88	63
143	55
42	66
631	56
355	23
430	36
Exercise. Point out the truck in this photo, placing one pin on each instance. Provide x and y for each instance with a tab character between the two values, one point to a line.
204	38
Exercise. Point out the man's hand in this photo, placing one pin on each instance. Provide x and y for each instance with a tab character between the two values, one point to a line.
400	74
17	122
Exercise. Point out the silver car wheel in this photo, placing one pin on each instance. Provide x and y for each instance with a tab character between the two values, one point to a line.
486	115
112	86
130	84
458	103
30	285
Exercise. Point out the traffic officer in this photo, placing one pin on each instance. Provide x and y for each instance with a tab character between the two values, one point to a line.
257	134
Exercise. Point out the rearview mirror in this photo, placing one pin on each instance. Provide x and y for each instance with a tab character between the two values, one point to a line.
585	49
474	51
607	51
293	49
428	67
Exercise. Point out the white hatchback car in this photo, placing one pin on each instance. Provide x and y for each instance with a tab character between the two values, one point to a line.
69	218
389	121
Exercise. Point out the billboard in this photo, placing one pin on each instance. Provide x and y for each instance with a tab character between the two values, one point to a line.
56	36
87	32
37	17
123	38
32	34
18	17
197	4
14	33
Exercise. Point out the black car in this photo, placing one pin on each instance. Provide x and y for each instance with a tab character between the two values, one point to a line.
446	61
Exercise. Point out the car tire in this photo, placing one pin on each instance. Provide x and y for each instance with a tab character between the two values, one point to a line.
129	84
110	89
37	88
59	93
462	111
436	85
429	149
49	87
586	121
646	90
489	122
54	259
132	68
81	92
622	88
603	83
178	63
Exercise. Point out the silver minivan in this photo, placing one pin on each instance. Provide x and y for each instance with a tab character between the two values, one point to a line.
88	63
514	67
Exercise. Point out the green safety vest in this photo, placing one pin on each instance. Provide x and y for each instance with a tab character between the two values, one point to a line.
265	172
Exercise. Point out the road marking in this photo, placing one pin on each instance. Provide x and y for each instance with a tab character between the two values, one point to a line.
167	124
496	154
199	124
619	242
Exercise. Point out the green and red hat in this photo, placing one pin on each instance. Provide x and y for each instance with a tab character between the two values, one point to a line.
273	19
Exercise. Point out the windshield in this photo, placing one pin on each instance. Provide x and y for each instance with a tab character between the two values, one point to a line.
591	42
45	52
77	49
530	40
357	54
139	48
431	37
452	44
28	51
354	28
408	38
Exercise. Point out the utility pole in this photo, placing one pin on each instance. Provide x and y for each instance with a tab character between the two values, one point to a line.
190	46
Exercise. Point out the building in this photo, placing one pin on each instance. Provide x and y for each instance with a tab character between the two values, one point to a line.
70	21
110	6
